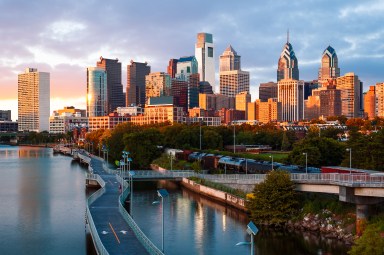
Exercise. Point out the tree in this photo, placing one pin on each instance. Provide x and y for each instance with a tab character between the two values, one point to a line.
372	241
285	144
143	146
212	140
274	201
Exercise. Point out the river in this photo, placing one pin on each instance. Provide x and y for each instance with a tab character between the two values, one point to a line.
43	202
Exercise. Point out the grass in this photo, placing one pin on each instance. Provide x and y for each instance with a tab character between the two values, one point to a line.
164	161
219	186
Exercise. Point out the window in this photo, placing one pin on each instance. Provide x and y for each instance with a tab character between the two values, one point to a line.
210	52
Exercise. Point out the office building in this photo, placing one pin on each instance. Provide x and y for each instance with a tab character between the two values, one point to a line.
370	103
329	66
216	102
234	82
5	115
62	124
33	100
379	91
269	111
253	110
129	111
232	79
172	67
229	60
330	101
71	110
106	122
205	56
267	90
185	67
97	94
351	95
287	67
205	88
309	86
291	96
136	73
160	113
241	102
115	95
312	108
157	85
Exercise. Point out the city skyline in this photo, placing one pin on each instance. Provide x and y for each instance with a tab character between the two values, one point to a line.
65	39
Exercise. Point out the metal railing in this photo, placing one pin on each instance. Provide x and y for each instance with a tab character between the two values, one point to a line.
162	174
95	236
84	158
144	240
351	180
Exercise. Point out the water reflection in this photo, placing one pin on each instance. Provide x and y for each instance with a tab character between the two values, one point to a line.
197	225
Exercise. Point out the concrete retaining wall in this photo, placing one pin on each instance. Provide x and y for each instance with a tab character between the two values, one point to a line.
217	195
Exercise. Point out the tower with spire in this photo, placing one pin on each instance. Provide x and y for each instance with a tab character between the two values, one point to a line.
287	67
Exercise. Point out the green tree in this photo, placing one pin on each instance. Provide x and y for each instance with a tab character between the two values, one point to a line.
274	201
372	241
212	140
285	144
143	146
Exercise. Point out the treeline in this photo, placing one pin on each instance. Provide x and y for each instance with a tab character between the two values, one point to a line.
143	142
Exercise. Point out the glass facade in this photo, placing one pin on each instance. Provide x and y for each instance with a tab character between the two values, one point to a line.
96	92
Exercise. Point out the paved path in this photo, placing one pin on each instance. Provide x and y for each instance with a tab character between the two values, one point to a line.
114	232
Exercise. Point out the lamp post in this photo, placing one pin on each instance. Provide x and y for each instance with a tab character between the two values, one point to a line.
271	156
306	162
252	230
234	139
350	160
200	133
163	193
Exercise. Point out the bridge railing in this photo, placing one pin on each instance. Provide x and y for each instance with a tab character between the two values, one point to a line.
145	241
95	236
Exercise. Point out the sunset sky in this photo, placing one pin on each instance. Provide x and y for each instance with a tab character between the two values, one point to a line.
65	37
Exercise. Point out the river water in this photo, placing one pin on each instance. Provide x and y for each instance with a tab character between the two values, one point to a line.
43	202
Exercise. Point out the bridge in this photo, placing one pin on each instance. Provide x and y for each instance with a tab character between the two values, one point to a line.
112	228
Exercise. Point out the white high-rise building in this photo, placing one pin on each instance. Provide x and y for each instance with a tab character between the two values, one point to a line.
33	100
205	55
291	96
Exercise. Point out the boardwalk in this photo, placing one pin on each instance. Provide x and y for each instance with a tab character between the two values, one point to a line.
114	232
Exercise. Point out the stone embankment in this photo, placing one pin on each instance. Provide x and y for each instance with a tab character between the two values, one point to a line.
327	224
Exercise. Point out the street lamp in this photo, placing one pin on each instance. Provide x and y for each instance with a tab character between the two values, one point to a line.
252	231
162	193
200	133
234	138
271	156
306	162
350	159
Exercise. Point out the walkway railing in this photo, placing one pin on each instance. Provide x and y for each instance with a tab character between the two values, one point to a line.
350	180
95	236
146	242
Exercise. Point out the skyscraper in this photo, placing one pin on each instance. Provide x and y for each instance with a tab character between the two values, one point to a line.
115	96
241	102
370	103
287	67
33	100
267	90
172	67
136	73
351	95
232	79
291	96
97	92
185	67
157	84
205	55
229	60
330	101
329	65
379	91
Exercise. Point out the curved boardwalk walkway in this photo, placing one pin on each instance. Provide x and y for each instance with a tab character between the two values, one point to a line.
114	231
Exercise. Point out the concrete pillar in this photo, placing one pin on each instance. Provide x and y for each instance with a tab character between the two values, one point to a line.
362	214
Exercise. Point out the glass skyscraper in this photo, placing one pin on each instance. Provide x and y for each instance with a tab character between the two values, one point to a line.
97	99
